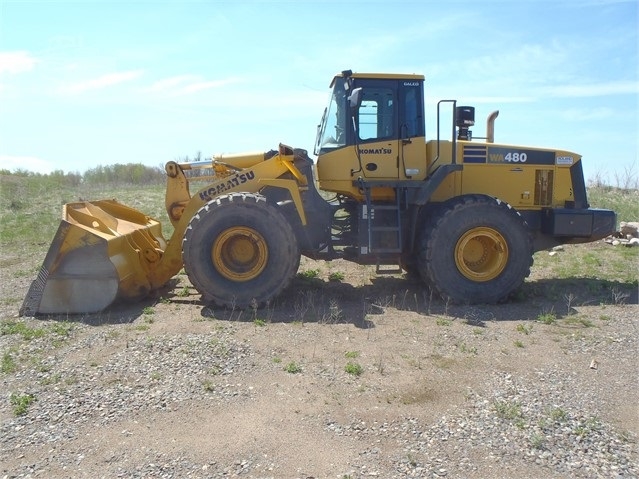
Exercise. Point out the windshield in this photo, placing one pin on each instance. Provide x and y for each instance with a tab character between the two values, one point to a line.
332	131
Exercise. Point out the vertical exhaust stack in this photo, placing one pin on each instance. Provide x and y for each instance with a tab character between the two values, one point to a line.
490	127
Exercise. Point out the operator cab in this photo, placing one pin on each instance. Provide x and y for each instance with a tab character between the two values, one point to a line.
381	117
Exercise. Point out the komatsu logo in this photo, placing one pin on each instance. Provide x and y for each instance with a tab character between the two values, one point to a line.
232	182
375	151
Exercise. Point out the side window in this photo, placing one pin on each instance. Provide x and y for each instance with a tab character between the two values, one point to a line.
410	108
412	120
376	114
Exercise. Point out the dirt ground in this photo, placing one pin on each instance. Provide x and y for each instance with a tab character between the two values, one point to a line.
369	376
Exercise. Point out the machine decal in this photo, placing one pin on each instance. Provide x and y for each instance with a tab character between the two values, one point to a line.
229	184
474	154
375	151
565	160
520	156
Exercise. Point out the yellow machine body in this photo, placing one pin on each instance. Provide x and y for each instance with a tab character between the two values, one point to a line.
465	215
105	251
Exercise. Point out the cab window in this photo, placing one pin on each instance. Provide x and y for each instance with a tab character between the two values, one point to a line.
376	114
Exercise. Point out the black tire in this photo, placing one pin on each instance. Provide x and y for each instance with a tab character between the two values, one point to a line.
476	249
409	262
239	251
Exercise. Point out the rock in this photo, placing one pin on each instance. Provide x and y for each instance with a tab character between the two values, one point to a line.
629	229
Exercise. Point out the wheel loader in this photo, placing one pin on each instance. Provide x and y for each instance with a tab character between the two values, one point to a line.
464	214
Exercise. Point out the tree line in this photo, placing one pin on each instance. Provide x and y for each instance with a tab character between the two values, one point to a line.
129	173
119	174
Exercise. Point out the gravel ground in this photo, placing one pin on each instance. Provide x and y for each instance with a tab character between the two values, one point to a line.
171	389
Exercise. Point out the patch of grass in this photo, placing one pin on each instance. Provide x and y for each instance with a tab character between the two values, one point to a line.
10	327
8	364
148	310
354	369
62	328
351	354
336	276
522	328
443	322
208	385
509	410
465	348
579	321
53	379
519	344
183	292
21	403
309	274
293	368
558	414
623	199
259	322
537	440
547	318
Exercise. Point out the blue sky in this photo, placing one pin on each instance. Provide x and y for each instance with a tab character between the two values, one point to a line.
95	83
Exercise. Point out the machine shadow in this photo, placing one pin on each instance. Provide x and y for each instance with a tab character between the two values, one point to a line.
335	302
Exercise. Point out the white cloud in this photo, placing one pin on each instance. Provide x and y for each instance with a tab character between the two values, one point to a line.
172	82
16	62
30	163
103	81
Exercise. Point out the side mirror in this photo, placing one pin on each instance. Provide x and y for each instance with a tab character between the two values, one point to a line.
355	98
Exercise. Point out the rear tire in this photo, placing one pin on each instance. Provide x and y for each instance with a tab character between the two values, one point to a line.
239	251
475	250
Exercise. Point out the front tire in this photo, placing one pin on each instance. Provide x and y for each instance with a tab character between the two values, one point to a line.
476	250
239	251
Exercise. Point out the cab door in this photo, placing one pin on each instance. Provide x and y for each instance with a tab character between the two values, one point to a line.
412	141
378	129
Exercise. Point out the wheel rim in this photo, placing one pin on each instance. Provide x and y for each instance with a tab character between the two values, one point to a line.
239	254
481	254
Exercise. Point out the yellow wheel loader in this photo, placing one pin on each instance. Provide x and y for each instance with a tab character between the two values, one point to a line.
464	215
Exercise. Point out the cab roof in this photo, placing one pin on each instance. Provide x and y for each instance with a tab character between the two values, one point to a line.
380	76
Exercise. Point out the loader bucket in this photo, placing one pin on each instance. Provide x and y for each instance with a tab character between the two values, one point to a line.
102	252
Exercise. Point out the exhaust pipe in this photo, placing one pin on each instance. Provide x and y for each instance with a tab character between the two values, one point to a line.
490	127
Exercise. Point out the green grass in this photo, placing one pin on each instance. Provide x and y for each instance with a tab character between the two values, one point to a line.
547	318
21	403
57	331
625	202
336	276
293	368
8	364
522	328
508	410
354	369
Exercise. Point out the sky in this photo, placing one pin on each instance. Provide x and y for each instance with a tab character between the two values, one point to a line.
90	83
